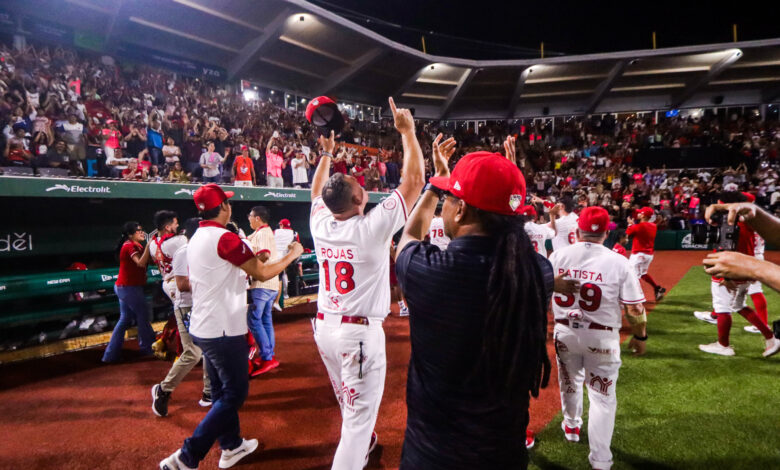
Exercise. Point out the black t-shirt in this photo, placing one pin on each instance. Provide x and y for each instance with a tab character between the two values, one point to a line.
451	422
135	146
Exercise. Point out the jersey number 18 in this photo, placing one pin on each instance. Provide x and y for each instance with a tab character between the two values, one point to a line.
344	272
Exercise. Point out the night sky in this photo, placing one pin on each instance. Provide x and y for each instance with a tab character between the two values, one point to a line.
567	27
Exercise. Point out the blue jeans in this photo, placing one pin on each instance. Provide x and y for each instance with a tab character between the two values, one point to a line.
211	179
226	361
156	156
132	305
260	322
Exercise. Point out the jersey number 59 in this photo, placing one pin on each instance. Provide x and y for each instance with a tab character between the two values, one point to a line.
590	298
344	272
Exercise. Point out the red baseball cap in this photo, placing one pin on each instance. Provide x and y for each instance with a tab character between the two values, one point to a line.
750	197
324	113
285	223
76	266
210	196
487	181
529	211
593	219
645	211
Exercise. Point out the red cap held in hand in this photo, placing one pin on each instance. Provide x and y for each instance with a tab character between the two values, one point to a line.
210	196
487	181
324	113
593	219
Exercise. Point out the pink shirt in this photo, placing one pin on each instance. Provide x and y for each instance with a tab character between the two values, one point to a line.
273	164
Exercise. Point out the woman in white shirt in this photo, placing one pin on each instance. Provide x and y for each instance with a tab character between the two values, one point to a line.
300	175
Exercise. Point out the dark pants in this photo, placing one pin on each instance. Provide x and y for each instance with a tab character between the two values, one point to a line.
132	306
156	156
226	359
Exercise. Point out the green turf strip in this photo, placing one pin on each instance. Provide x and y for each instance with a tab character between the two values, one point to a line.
682	408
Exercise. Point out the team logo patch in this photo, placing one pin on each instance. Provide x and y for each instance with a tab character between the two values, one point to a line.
600	350
515	200
350	395
594	227
600	384
456	185
315	102
202	206
575	315
389	203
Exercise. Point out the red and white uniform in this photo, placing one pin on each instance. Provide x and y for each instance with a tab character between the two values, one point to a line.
618	248
587	338
727	301
539	234
436	233
353	300
642	247
218	285
758	248
565	234
161	250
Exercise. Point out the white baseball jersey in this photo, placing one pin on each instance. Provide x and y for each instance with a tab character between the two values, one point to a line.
565	227
282	238
606	280
436	233
180	268
164	255
539	234
352	254
760	247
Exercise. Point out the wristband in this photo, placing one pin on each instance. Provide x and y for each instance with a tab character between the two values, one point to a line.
326	154
438	191
640	338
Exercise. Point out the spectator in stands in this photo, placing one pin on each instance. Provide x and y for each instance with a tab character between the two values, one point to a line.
274	162
262	294
243	169
74	135
154	138
110	136
300	175
210	162
56	157
193	149
129	287
17	148
135	140
171	152
132	172
178	175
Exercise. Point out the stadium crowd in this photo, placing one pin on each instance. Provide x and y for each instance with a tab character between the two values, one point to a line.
61	108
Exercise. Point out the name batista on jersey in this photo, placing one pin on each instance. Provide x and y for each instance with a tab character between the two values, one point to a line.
581	274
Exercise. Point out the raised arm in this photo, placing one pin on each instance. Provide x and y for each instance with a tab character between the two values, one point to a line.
414	167
323	169
265	271
762	222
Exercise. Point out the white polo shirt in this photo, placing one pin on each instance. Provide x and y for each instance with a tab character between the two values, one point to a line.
218	285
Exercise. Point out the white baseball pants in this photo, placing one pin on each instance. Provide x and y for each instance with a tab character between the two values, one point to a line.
592	357
640	262
726	301
354	356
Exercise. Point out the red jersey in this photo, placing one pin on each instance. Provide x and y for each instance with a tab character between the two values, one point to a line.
129	272
244	167
618	248
644	237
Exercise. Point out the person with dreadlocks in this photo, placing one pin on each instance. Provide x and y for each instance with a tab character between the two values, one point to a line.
478	321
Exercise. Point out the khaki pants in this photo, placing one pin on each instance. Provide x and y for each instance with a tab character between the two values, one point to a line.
188	359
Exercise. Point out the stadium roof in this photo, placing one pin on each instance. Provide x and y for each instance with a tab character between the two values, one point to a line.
297	46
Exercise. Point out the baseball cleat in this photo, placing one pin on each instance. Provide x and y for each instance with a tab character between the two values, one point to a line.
265	367
530	440
717	348
205	400
160	401
173	462
571	434
660	292
752	329
705	316
772	347
231	457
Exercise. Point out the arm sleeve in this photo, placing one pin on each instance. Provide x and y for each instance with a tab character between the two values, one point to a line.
319	212
632	229
387	217
233	249
630	290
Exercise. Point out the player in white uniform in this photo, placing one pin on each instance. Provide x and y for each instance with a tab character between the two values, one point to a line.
162	247
436	231
564	222
587	331
755	291
538	233
354	290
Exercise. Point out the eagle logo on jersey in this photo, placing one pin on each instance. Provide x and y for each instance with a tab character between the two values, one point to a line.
515	200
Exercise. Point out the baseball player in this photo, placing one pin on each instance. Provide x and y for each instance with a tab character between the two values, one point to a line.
538	233
642	248
755	290
162	247
587	331
564	221
729	296
283	236
619	246
436	232
352	250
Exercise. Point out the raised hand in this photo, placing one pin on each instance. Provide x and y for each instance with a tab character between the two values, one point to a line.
442	153
402	117
328	144
509	149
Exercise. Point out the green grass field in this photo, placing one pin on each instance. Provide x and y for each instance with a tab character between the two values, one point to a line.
681	408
